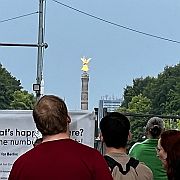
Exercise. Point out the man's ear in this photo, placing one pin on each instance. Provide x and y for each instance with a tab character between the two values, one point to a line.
68	119
101	137
129	136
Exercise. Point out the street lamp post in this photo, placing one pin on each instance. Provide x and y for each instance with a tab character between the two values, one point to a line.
40	49
41	45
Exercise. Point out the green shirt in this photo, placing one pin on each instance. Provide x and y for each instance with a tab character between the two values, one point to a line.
146	152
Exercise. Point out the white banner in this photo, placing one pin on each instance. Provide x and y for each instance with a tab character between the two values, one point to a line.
82	127
18	132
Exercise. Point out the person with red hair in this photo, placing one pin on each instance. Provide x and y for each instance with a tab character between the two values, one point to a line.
168	151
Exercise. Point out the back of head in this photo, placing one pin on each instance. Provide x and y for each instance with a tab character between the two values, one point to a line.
173	159
170	141
115	129
168	138
50	115
155	127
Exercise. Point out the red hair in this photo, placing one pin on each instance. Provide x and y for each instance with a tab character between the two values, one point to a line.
170	141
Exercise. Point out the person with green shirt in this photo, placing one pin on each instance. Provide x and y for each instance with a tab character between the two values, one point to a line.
146	150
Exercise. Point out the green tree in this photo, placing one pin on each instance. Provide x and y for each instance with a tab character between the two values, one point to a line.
8	85
153	95
139	104
11	94
163	91
22	100
167	82
172	104
140	86
142	105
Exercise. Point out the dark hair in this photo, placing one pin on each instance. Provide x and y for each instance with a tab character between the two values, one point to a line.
169	142
168	138
50	115
115	129
173	158
155	127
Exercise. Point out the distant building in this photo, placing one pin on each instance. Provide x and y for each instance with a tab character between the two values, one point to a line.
106	104
109	105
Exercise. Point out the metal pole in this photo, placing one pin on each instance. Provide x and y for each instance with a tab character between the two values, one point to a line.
39	86
18	44
40	47
45	45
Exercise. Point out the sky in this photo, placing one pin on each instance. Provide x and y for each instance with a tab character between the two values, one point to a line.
118	55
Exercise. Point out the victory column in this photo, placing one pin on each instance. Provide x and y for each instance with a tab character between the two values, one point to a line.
85	80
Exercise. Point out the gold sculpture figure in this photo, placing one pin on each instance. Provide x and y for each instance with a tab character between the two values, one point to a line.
85	66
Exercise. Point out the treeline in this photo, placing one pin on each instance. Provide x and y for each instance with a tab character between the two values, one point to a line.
153	95
12	95
150	95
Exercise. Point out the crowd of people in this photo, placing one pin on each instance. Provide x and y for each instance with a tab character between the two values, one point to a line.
57	157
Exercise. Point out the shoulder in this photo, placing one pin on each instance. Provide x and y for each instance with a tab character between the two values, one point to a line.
19	163
24	157
144	171
95	161
85	149
134	147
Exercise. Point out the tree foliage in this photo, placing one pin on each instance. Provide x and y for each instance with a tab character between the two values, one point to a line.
153	95
10	92
8	85
163	91
22	100
138	104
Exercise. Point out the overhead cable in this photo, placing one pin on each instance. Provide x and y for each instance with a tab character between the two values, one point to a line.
118	25
17	17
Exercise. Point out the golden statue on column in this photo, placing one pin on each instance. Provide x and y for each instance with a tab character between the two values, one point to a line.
85	61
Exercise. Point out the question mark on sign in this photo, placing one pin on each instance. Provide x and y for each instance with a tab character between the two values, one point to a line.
81	130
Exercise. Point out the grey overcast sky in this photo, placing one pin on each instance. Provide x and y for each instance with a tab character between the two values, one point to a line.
118	55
